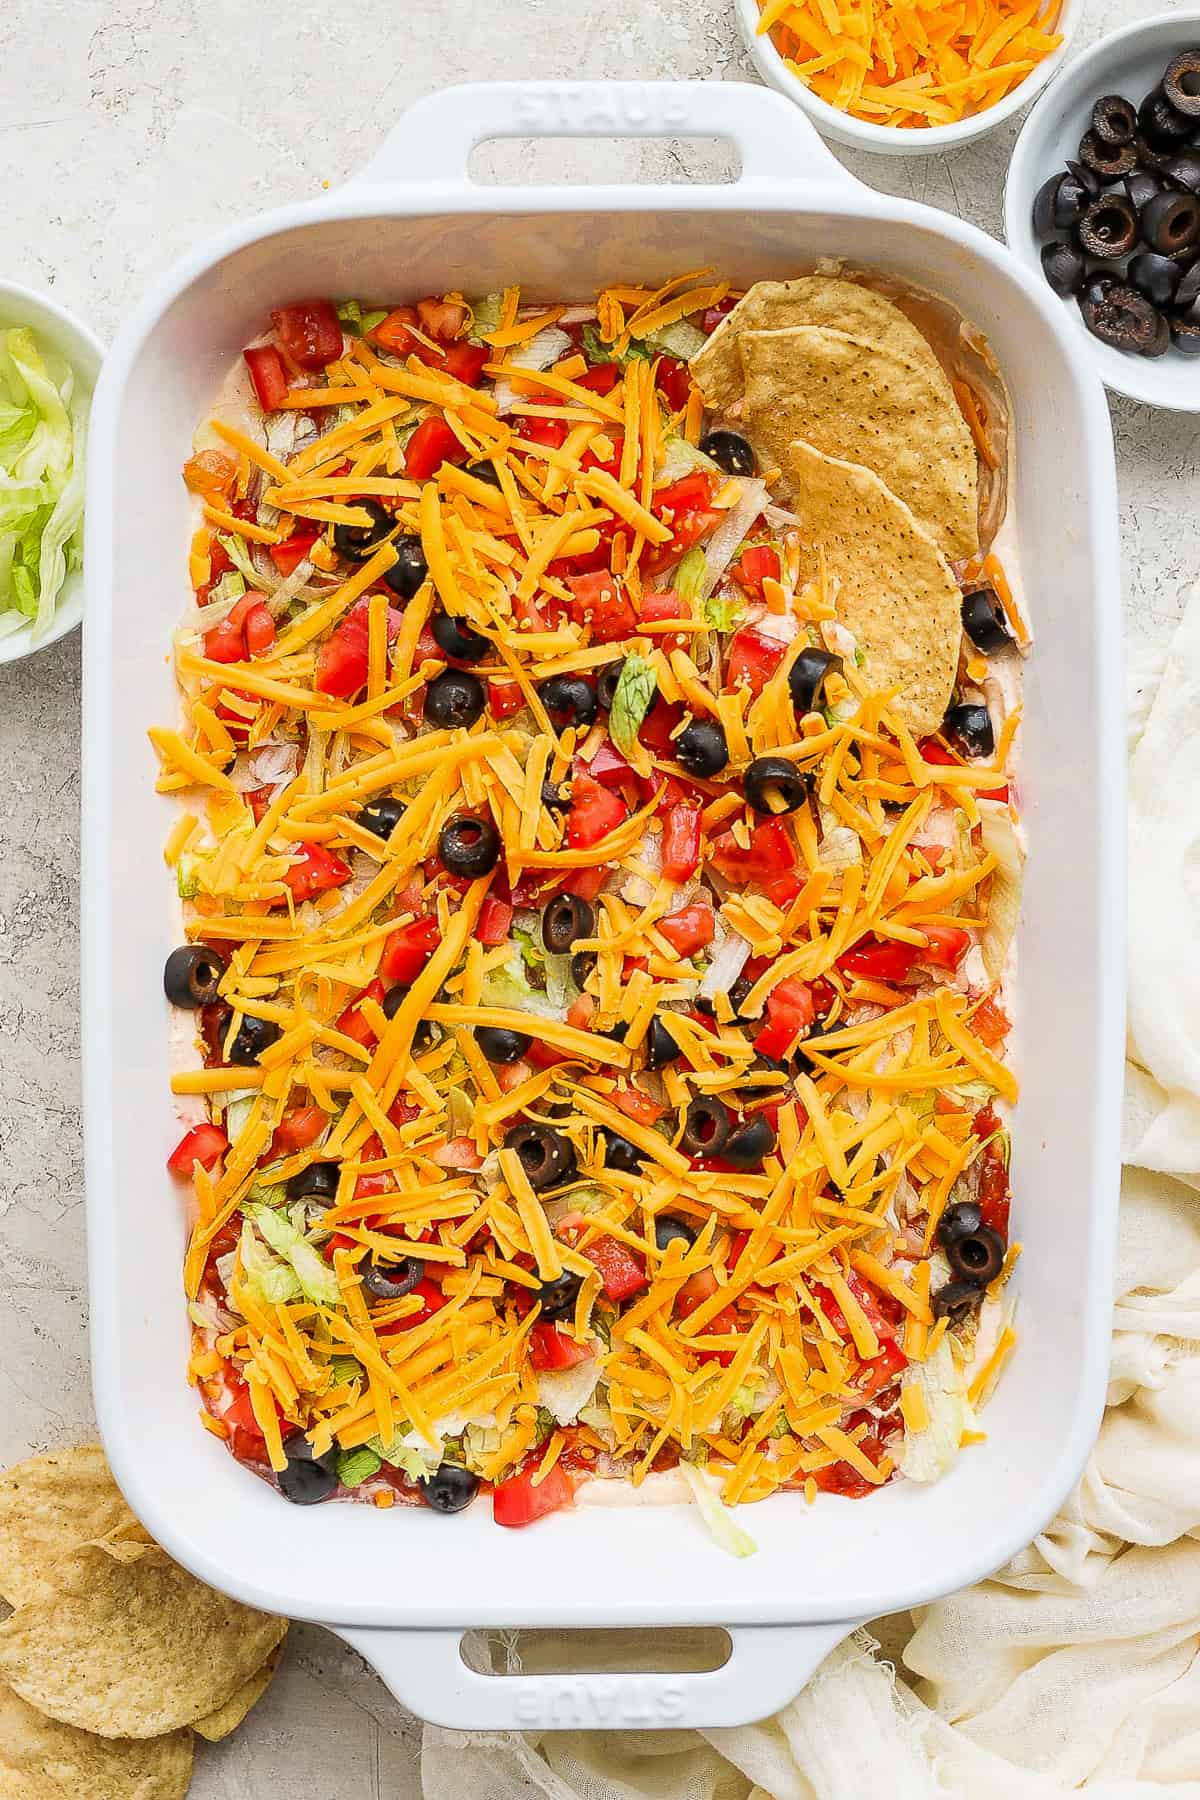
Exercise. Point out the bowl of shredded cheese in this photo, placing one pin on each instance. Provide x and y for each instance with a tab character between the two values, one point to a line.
906	77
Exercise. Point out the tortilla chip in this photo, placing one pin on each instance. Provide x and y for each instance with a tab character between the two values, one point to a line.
41	1759
217	1725
891	585
125	1643
894	414
810	300
49	1505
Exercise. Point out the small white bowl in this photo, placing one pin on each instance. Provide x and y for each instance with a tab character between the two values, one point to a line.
63	332
1130	62
896	140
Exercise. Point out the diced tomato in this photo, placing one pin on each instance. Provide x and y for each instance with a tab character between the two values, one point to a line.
689	929
699	1287
612	466
517	1502
403	1112
268	375
351	1023
442	319
494	921
665	603
872	1377
948	944
579	1013
395	335
342	660
288	556
408	949
546	1056
757	564
622	1271
683	496
598	601
790	1003
317	872
685	507
771	854
465	362
245	1434
990	1023
992	1190
637	1106
674	382
225	643
259	629
431	444
713	316
933	752
879	960
550	1348
298	1128
601	379
595	812
656	728
309	332
842	1478
752	659
219	560
204	1144
457	1153
584	882
551	434
504	699
432	1300
610	768
681	845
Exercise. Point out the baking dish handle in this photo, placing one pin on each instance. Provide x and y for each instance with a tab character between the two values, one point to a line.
433	140
768	1666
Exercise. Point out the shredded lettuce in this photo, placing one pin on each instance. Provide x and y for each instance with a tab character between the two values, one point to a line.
314	1274
344	1369
597	351
926	1455
354	319
720	612
238	552
270	1280
231	586
509	986
486	315
187	881
43	428
722	1526
690	574
356	1466
631	702
680	340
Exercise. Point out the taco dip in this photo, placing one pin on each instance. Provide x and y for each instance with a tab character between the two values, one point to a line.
599	852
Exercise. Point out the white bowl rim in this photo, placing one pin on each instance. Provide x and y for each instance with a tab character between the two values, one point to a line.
1141	382
69	615
894	140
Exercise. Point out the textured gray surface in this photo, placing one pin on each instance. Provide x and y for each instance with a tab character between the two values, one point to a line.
127	133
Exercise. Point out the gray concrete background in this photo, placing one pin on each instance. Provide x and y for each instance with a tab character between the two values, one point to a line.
128	133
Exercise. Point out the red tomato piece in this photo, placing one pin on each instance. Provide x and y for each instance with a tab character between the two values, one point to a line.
317	871
598	602
297	1129
658	725
504	699
204	1144
432	1300
872	1377
612	466
665	603
395	334
674	382
714	314
757	564
408	949
550	1348
622	1271
225	643
600	380
610	768
309	332
637	1106
584	882
342	660
431	444
595	812
990	1023
268	375
465	363
878	960
689	929
772	854
259	629
752	659
681	845
494	921
517	1502
948	944
288	556
551	434
351	1023
933	752
444	319
458	1153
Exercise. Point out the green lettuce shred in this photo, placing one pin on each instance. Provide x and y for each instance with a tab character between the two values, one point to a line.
43	428
356	1466
723	1528
316	1278
631	702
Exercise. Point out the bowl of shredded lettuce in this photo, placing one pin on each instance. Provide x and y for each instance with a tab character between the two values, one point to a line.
49	362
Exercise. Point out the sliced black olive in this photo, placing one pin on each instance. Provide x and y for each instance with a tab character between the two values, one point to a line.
307	1480
1183	171
582	964
738	993
619	1153
804	1063
668	1230
956	1301
569	700
1181	84
456	639
977	1255
1160	124
606	683
382	816
501	1046
1064	268
959	1220
319	1181
410	571
730	451
706	1126
1188	291
1185	335
1109	227
564	919
1154	276
984	622
391	1281
359	542
1097	287
425	1030
806	677
469	846
557	1298
661	1048
1108	161
545	1154
1114	119
969	729
746	1147
454	699
618	1032
1043	204
484	471
1126	320
192	974
1087	178
254	1036
553	798
449	1488
1171	221
701	748
1153	156
774	785
1141	187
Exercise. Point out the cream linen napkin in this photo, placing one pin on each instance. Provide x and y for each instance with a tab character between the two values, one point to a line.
1077	1667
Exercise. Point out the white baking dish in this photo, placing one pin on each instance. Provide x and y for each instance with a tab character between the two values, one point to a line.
402	1585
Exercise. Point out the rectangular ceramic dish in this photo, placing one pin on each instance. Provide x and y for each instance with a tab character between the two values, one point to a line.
403	1585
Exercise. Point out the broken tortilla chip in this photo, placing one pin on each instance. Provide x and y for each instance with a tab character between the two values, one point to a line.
889	583
43	1759
891	413
48	1506
121	1641
219	1724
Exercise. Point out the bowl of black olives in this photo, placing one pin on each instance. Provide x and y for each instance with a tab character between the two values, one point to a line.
1103	200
